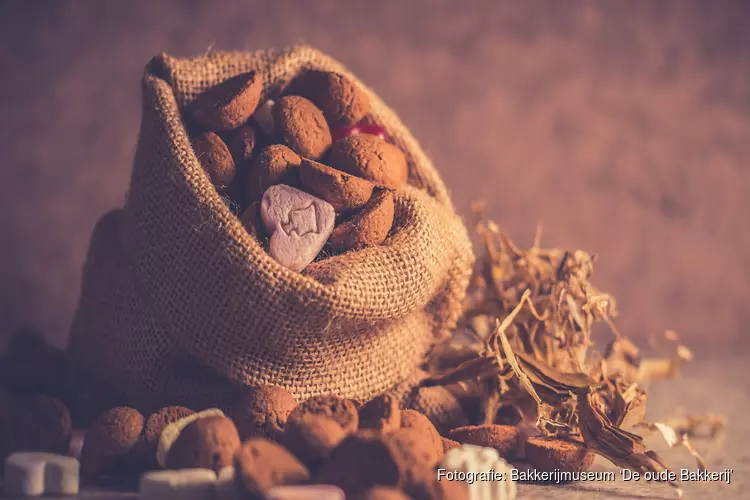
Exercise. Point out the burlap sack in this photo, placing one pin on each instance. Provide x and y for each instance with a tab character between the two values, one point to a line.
180	305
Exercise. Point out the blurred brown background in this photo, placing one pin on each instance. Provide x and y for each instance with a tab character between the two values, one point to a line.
624	127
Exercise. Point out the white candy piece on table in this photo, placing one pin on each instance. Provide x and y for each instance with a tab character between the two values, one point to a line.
183	484
61	475
225	488
264	117
24	474
172	431
471	458
31	474
306	492
299	225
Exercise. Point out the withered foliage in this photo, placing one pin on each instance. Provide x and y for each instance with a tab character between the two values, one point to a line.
525	348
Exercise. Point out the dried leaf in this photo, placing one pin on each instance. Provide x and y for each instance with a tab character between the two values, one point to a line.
473	369
620	447
528	321
514	364
635	408
675	438
691	425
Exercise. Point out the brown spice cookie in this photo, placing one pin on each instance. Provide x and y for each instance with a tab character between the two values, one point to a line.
341	190
112	436
548	454
229	104
43	423
216	160
343	411
302	126
440	406
504	438
449	444
381	413
156	422
275	164
362	461
371	158
383	493
339	98
416	448
262	412
369	227
207	443
411	419
261	464
423	484
241	143
311	438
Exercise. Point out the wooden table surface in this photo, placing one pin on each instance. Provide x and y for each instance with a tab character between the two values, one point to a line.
713	383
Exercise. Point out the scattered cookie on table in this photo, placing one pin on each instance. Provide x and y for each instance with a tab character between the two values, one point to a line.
262	411
311	438
343	411
184	484
172	431
411	419
449	444
548	454
262	464
112	436
416	448
381	413
208	443
504	438
361	461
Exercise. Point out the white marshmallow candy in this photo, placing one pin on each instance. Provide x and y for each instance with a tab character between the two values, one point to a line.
183	484
31	474
469	458
306	492
24	475
61	475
